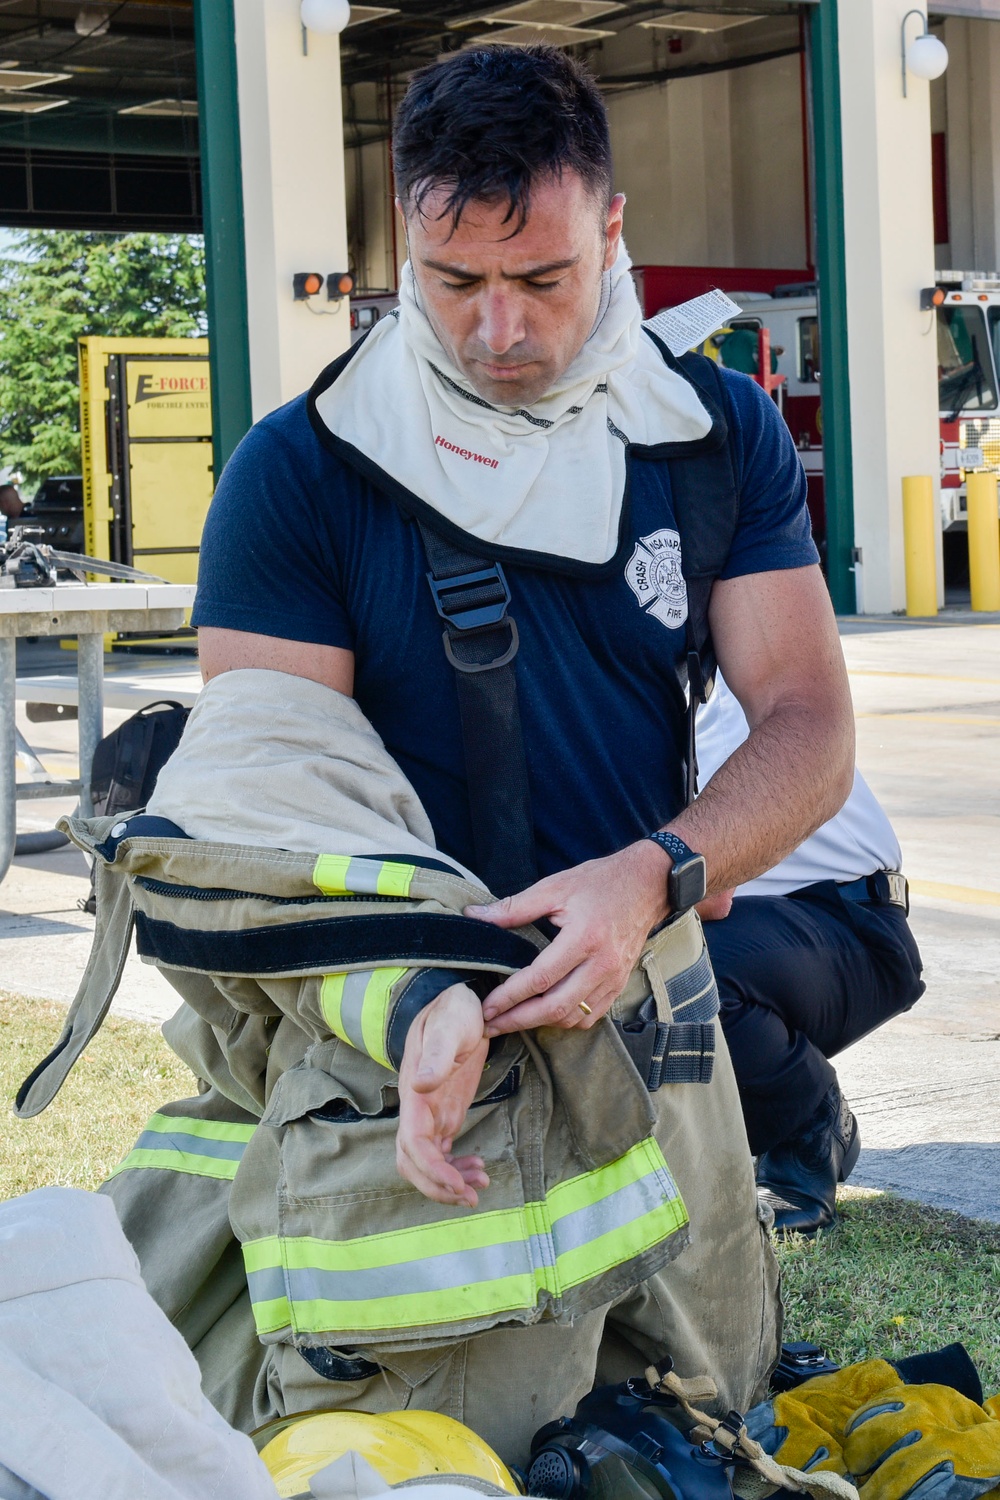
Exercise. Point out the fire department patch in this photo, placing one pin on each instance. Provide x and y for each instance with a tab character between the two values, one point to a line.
655	578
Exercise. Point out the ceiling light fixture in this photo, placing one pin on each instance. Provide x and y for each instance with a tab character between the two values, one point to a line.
92	20
530	32
163	108
14	78
13	103
690	20
548	12
362	13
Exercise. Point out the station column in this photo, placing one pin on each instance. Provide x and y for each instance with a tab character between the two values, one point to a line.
273	164
888	246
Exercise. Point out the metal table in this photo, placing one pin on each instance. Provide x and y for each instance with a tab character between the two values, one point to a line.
88	611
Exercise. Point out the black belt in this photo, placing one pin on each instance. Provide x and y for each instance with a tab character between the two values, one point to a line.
883	888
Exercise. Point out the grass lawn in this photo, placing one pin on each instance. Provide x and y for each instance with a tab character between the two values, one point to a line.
893	1278
125	1074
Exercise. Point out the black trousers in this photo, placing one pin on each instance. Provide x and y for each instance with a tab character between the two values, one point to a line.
801	977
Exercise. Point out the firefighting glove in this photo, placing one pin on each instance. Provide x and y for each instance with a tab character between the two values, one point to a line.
804	1428
924	1442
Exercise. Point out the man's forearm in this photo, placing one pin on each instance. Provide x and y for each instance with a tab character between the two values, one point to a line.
793	773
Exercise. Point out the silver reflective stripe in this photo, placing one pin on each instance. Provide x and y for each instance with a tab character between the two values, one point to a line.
352	1005
266	1286
438	1273
362	876
194	1145
622	1207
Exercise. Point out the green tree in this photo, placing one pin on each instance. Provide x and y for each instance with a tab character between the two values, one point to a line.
59	285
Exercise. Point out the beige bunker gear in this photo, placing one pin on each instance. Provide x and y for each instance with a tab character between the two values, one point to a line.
620	1223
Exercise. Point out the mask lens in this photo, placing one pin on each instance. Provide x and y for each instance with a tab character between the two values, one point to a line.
613	1479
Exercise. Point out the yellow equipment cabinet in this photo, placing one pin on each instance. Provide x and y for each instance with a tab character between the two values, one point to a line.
146	429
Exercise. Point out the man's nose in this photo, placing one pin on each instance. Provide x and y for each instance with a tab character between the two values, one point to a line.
501	322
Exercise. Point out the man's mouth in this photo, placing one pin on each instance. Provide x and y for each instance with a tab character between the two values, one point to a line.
504	372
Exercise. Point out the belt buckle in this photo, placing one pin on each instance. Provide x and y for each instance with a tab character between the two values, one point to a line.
899	891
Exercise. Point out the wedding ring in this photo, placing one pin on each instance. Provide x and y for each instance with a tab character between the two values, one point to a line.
586	1008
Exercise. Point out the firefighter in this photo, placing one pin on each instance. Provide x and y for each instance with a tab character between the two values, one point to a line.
492	481
815	954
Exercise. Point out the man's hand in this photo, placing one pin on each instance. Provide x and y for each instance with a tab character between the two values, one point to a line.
605	910
443	1061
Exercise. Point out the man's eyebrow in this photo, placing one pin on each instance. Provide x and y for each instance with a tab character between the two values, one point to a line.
530	275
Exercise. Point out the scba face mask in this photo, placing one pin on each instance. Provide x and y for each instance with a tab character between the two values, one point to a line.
620	1445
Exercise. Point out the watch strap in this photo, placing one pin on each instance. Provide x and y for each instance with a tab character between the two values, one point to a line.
674	846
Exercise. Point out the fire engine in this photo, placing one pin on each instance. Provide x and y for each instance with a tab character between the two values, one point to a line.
968	354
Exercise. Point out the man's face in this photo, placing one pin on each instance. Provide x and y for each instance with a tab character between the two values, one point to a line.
513	312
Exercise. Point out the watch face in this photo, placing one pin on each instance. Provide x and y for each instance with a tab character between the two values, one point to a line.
688	883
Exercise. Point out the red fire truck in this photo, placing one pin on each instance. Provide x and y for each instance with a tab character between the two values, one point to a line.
784	303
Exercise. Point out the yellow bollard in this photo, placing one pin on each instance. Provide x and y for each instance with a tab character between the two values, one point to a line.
918	545
984	541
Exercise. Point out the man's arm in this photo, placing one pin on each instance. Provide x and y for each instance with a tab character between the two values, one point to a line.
228	650
776	640
778	647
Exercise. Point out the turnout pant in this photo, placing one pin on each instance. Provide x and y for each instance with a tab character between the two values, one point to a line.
800	978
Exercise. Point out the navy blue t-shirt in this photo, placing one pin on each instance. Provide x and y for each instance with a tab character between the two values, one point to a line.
305	542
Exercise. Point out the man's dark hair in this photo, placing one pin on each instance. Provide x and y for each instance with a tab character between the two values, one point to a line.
490	122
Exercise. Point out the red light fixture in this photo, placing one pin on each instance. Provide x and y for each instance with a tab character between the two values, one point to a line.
339	284
306	284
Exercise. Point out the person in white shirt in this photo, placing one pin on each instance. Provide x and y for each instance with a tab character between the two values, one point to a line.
815	953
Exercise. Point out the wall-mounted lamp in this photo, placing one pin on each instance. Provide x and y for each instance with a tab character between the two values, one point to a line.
326	16
931	297
306	284
339	284
926	56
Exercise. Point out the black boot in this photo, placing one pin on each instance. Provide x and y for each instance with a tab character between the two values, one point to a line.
798	1179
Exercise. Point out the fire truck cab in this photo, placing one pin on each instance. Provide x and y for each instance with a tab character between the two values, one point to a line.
968	351
968	354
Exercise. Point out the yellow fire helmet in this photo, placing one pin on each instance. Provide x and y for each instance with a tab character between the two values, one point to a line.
399	1444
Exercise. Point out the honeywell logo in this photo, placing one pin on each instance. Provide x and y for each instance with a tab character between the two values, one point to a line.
479	458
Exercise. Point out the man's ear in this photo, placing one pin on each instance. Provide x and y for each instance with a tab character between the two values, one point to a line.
613	231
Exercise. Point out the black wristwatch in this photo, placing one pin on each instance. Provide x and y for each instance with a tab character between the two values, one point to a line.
688	878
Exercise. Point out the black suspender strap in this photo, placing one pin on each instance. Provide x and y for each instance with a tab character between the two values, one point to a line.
481	641
705	492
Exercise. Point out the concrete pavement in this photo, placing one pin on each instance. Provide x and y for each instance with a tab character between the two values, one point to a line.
926	1087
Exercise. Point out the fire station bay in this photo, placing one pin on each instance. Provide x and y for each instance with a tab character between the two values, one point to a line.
834	166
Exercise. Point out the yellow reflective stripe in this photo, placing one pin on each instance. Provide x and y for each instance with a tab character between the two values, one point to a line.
273	1316
395	880
417	1309
620	1244
400	1246
179	1161
578	1192
375	1013
331	998
330	874
209	1130
334	876
182	1143
475	1266
355	1006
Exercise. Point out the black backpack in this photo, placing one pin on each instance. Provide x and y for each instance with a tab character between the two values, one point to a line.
129	759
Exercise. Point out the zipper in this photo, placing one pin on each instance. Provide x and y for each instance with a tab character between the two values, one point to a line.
219	893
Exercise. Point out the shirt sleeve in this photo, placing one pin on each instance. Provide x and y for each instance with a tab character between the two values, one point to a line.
773	530
268	561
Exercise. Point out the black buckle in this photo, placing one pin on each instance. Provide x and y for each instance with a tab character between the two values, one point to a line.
448	602
472	667
641	1036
